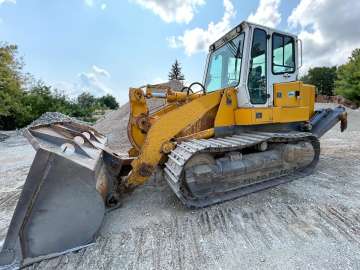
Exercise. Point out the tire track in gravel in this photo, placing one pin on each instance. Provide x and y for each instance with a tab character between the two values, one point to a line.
186	240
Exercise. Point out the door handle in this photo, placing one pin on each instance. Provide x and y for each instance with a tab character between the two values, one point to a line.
286	75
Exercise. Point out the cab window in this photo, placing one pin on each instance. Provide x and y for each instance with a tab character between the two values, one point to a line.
257	72
283	53
224	67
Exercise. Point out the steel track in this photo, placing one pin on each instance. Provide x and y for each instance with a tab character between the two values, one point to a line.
175	174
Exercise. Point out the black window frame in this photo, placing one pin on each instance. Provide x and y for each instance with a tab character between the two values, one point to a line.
272	54
266	64
242	55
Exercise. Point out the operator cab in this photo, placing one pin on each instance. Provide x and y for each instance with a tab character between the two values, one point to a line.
252	58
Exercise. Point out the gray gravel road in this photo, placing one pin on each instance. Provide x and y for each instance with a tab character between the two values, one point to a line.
310	223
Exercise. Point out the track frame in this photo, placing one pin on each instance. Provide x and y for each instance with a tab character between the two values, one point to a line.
175	175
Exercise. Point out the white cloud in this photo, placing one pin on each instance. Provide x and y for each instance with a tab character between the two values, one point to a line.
180	11
329	30
93	82
89	3
90	82
100	71
7	1
172	41
95	3
198	39
158	80
267	13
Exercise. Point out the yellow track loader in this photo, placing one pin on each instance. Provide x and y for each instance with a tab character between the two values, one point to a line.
250	125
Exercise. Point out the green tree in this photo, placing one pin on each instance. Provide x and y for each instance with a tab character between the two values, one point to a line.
175	72
11	84
84	106
348	82
41	98
323	78
86	100
108	101
23	99
38	100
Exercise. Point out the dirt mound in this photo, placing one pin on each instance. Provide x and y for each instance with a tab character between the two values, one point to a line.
114	125
338	100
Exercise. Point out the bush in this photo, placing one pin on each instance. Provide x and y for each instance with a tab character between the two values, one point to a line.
40	99
109	102
11	92
19	107
323	78
348	83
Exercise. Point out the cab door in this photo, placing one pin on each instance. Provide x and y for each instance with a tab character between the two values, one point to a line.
282	60
257	81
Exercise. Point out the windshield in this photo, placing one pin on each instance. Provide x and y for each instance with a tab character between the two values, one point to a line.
224	65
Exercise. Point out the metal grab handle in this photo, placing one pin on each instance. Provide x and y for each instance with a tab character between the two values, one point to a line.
301	52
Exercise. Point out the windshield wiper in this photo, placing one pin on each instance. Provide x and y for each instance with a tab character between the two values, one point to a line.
232	47
237	56
235	50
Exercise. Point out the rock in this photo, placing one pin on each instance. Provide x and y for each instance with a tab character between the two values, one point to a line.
3	137
51	117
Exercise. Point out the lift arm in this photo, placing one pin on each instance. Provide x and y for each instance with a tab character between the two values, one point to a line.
158	139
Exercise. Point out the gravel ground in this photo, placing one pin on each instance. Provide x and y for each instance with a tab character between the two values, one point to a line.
3	137
310	223
50	117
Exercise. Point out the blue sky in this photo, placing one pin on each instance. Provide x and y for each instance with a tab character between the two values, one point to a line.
109	45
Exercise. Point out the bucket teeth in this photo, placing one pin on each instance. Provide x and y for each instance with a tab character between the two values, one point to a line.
61	207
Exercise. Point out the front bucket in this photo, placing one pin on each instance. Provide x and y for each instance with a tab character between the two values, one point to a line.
61	207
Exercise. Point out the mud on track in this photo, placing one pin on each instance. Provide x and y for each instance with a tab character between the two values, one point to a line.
311	223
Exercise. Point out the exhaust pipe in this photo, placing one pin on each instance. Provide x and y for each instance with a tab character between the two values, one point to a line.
62	204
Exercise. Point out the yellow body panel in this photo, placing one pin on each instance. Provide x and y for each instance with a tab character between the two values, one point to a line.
256	116
293	102
252	116
225	115
288	115
284	95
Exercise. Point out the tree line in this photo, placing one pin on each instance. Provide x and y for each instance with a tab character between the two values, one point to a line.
343	80
23	99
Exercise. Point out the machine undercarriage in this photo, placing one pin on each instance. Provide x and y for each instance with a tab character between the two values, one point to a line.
205	172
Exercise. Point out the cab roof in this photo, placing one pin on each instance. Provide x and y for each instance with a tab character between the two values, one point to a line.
237	29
